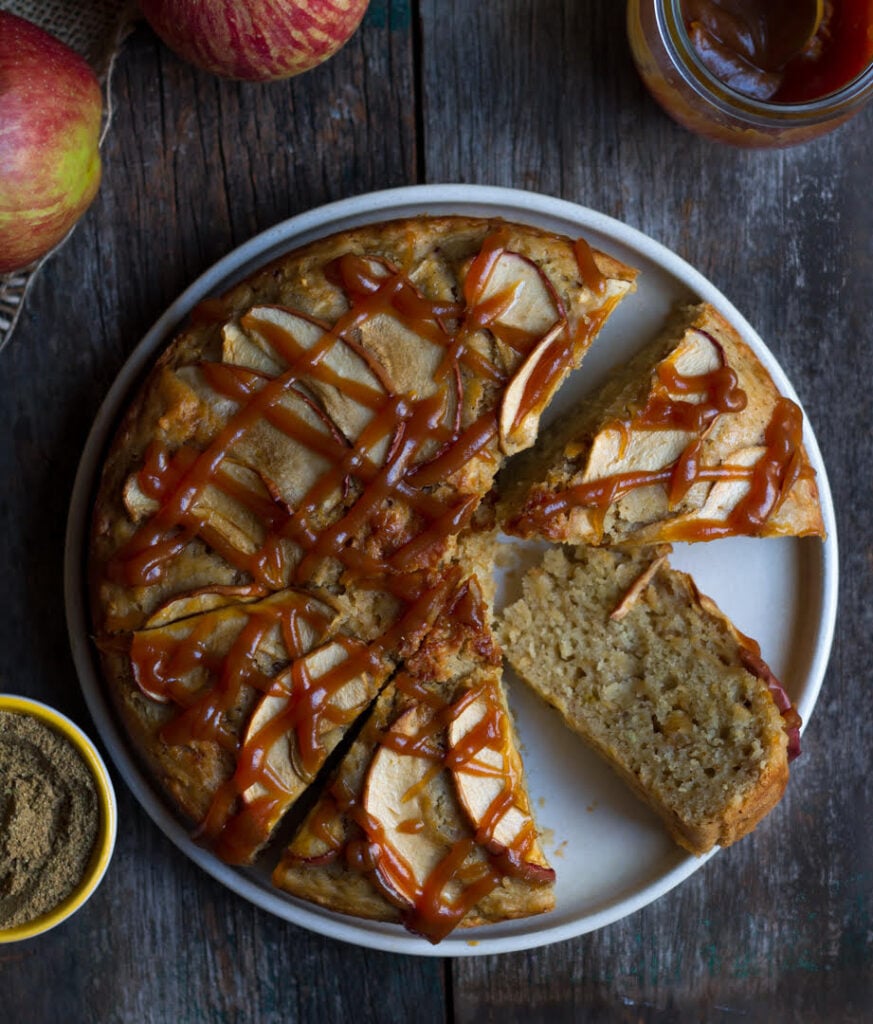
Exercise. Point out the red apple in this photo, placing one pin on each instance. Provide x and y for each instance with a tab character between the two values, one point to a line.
50	113
256	40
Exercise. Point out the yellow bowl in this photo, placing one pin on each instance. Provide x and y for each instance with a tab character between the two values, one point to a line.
108	818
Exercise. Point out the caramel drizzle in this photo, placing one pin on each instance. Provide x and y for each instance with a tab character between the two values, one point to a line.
373	288
407	423
770	478
206	686
164	661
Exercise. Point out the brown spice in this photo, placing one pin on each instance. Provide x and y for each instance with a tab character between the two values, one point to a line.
48	818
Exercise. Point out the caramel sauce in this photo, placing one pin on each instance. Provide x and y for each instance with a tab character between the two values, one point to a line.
473	864
758	48
588	270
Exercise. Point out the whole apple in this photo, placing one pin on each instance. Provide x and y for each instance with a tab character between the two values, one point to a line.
255	40
50	114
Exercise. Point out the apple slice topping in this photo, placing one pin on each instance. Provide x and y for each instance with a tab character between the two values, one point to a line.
682	407
296	725
175	660
725	494
239	349
414	365
292	466
204	599
487	771
396	792
530	304
338	375
204	407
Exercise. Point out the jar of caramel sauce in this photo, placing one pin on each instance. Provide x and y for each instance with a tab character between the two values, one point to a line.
742	72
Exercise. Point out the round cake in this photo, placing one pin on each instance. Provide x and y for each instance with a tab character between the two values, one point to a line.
293	546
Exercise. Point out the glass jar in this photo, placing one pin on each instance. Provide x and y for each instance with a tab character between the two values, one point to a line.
691	95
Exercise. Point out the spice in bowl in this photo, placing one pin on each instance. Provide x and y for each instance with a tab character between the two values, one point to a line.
55	834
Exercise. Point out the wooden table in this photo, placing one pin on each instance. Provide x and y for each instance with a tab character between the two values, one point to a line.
538	95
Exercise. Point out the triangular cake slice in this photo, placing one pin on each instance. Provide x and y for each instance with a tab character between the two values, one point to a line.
658	681
427	820
691	440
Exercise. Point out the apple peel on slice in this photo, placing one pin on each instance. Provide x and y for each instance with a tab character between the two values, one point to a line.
174	656
396	792
487	772
532	304
519	413
340	377
204	599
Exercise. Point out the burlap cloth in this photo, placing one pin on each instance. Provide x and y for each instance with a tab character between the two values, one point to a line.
96	29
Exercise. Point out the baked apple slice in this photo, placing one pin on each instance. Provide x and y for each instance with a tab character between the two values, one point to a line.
347	385
228	648
487	771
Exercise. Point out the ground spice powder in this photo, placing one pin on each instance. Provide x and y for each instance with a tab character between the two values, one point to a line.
49	817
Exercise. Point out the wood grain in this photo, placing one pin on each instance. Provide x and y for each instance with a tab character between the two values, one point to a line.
539	95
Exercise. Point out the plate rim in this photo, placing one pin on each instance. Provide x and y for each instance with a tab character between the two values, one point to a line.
322	220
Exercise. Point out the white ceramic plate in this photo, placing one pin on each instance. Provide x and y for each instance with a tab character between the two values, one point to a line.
610	853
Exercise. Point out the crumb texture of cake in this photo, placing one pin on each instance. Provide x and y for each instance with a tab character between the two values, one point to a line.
689	441
656	679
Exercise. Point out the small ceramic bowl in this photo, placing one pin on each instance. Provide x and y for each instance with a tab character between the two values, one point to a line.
106	829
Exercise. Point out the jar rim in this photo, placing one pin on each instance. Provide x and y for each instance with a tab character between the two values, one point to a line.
671	25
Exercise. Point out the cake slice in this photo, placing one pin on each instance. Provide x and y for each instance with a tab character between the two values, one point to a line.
658	681
427	820
691	440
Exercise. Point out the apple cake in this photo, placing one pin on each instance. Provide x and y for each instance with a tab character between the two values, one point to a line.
292	554
690	441
293	518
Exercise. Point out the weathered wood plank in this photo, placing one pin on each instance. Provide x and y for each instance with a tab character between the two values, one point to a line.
544	96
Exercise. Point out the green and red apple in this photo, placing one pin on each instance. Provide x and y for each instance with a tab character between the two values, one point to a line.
50	115
254	40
